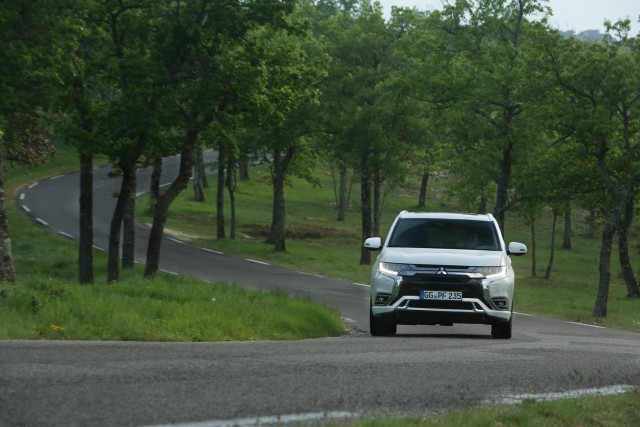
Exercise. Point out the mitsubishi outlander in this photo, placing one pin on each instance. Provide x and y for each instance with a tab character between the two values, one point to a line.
441	269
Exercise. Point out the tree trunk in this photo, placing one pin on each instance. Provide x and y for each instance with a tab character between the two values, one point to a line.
377	202
280	167
623	249
534	267
365	201
165	200
127	190
244	169
547	275
343	199
154	187
129	230
600	307
482	206
231	187
422	197
502	191
7	268
85	245
566	241
198	193
222	160
203	168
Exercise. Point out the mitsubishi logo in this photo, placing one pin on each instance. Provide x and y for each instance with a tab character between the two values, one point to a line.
441	270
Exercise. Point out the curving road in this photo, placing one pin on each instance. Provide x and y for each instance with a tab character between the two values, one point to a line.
420	371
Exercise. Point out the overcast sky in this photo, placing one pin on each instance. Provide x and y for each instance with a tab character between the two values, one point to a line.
576	15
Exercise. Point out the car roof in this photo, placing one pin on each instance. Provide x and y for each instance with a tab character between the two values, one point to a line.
446	215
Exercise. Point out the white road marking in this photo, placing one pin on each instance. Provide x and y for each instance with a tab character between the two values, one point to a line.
43	222
175	240
22	196
32	185
257	262
570	394
212	251
26	208
65	234
268	420
309	274
361	284
56	177
586	324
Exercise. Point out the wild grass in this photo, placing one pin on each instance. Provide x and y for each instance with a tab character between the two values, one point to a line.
167	308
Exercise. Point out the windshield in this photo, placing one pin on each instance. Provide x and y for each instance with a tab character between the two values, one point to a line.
444	234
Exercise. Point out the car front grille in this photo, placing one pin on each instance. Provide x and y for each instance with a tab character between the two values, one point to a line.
412	285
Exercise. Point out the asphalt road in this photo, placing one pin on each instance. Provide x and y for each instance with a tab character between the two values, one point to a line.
423	370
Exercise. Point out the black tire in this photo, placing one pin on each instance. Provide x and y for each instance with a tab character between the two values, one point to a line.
502	330
379	326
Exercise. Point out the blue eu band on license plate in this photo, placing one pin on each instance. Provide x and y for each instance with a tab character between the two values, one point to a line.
441	295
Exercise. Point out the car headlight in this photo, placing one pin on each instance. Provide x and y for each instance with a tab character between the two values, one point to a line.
391	268
492	272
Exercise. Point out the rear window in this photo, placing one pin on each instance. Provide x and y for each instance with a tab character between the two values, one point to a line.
444	234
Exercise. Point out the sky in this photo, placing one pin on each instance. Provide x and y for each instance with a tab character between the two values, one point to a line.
575	15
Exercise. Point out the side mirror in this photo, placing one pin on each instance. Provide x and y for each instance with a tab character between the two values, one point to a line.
517	249
373	244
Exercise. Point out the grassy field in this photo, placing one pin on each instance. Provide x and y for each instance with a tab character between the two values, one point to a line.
319	244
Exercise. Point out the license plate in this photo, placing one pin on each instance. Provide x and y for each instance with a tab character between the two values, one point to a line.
441	295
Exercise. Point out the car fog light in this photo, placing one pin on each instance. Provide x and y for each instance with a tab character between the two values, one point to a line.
381	299
501	303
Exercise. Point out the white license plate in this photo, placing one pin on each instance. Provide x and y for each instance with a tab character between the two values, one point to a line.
441	295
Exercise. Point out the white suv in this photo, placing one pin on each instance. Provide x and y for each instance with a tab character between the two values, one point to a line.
442	268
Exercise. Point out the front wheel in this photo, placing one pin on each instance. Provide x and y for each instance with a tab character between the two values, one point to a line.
379	326
502	330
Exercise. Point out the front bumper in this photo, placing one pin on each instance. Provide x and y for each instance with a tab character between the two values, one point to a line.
483	301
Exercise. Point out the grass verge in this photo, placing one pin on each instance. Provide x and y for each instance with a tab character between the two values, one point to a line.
166	308
611	411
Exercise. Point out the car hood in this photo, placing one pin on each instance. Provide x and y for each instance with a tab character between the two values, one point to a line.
444	257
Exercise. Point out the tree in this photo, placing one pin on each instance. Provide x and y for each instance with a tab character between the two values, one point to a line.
193	39
490	121
367	106
289	66
29	71
602	100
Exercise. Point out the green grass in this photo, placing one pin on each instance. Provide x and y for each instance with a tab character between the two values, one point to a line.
611	411
317	243
167	308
